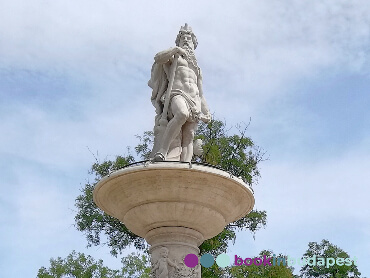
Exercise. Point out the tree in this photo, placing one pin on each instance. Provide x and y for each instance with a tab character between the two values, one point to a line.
236	154
77	265
136	266
322	267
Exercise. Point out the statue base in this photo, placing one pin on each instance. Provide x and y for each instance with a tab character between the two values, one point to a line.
169	246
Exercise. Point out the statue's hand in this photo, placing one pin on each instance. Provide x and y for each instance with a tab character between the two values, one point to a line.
206	118
181	51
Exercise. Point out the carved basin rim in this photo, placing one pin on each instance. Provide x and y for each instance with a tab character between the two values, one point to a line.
148	195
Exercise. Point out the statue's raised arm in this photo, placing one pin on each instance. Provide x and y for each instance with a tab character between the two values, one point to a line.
178	97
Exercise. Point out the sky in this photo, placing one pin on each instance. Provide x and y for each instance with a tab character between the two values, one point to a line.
73	83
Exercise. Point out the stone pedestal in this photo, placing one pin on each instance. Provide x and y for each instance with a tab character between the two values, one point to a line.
177	242
175	207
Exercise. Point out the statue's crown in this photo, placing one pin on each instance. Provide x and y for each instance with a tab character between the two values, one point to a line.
186	29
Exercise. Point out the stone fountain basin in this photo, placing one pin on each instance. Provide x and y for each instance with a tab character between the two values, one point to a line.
172	194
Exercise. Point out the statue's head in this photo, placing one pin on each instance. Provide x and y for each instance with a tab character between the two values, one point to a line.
186	38
163	252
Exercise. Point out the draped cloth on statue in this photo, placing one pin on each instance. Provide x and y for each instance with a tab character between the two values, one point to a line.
159	83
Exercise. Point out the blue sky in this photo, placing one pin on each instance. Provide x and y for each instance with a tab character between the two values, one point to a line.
73	77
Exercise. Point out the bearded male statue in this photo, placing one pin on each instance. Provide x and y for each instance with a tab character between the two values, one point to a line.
177	95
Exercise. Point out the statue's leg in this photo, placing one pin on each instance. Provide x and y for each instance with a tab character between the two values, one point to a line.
188	132
180	113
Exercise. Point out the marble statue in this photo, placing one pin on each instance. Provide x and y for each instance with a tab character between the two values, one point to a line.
177	95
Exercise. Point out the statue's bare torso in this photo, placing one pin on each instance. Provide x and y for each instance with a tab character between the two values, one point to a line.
185	79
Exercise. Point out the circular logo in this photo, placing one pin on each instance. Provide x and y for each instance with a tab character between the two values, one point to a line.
223	260
191	260
207	260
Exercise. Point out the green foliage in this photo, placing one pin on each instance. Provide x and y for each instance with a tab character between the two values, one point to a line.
253	271
236	154
327	250
145	146
253	221
136	266
77	265
215	272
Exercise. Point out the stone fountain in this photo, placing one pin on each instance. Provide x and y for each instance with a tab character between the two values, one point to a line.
172	203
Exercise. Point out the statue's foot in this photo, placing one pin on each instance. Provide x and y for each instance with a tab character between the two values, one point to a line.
158	157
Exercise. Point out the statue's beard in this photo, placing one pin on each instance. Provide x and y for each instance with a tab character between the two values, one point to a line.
190	57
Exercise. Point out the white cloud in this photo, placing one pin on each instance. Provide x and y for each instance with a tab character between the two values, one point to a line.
313	201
